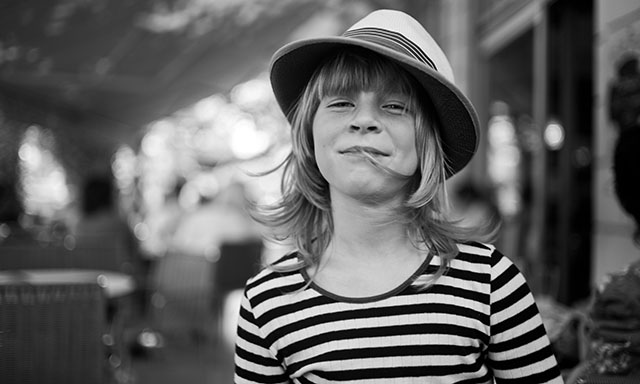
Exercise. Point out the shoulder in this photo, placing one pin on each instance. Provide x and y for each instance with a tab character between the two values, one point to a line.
471	267
481	253
476	250
484	259
279	277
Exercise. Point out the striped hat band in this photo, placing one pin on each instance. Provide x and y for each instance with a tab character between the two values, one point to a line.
392	40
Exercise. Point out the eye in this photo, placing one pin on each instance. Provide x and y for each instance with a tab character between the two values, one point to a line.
396	107
340	103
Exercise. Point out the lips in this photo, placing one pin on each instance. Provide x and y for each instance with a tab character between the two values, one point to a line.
360	149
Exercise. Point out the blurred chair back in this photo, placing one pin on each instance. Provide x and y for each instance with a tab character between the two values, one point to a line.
238	262
52	333
181	285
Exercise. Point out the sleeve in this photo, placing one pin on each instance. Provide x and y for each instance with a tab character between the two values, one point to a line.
254	362
519	349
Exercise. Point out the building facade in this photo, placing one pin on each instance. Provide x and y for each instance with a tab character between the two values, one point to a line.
540	74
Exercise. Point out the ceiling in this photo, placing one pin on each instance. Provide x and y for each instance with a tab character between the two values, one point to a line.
96	71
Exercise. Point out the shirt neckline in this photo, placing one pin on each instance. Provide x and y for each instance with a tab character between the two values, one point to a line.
367	299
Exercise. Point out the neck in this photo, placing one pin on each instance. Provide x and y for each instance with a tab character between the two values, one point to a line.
367	230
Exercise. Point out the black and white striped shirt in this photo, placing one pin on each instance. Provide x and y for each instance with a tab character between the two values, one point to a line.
479	322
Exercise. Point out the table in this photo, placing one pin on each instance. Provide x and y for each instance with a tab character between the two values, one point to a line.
115	284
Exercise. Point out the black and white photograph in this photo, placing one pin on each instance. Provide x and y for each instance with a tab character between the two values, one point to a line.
319	191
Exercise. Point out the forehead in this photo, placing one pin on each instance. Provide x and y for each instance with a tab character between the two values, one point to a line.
346	73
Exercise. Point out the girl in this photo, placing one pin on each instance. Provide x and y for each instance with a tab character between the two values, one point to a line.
382	287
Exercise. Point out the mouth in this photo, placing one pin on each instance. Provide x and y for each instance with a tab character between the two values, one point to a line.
361	150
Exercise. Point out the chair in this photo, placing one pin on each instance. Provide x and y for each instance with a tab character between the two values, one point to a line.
189	291
52	333
181	286
237	263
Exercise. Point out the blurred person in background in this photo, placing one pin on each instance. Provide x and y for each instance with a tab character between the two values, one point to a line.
383	284
474	206
612	329
101	234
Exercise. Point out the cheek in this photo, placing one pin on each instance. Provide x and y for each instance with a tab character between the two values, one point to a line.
414	159
322	160
411	162
320	150
409	156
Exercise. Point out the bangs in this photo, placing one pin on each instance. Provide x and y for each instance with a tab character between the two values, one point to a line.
358	70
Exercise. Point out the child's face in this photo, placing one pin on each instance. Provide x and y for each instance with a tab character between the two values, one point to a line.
380	124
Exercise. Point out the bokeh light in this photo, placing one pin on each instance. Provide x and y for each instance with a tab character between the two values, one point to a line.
186	159
504	161
554	135
43	180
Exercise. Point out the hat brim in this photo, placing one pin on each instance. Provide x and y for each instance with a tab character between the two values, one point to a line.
293	65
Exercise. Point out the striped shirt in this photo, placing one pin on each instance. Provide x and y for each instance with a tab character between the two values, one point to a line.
479	322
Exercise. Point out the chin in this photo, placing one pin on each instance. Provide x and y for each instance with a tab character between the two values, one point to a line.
373	193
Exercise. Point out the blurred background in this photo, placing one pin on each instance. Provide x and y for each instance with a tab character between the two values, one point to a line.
131	133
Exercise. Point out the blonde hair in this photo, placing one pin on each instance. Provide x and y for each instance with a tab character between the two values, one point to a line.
303	213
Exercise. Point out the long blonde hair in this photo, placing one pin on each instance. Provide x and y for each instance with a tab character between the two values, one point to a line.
303	214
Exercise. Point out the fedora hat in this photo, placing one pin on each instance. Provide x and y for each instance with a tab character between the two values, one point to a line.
399	37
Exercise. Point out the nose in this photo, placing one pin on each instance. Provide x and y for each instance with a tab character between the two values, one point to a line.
365	120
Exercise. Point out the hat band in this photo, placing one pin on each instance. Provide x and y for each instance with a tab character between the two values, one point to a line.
392	40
